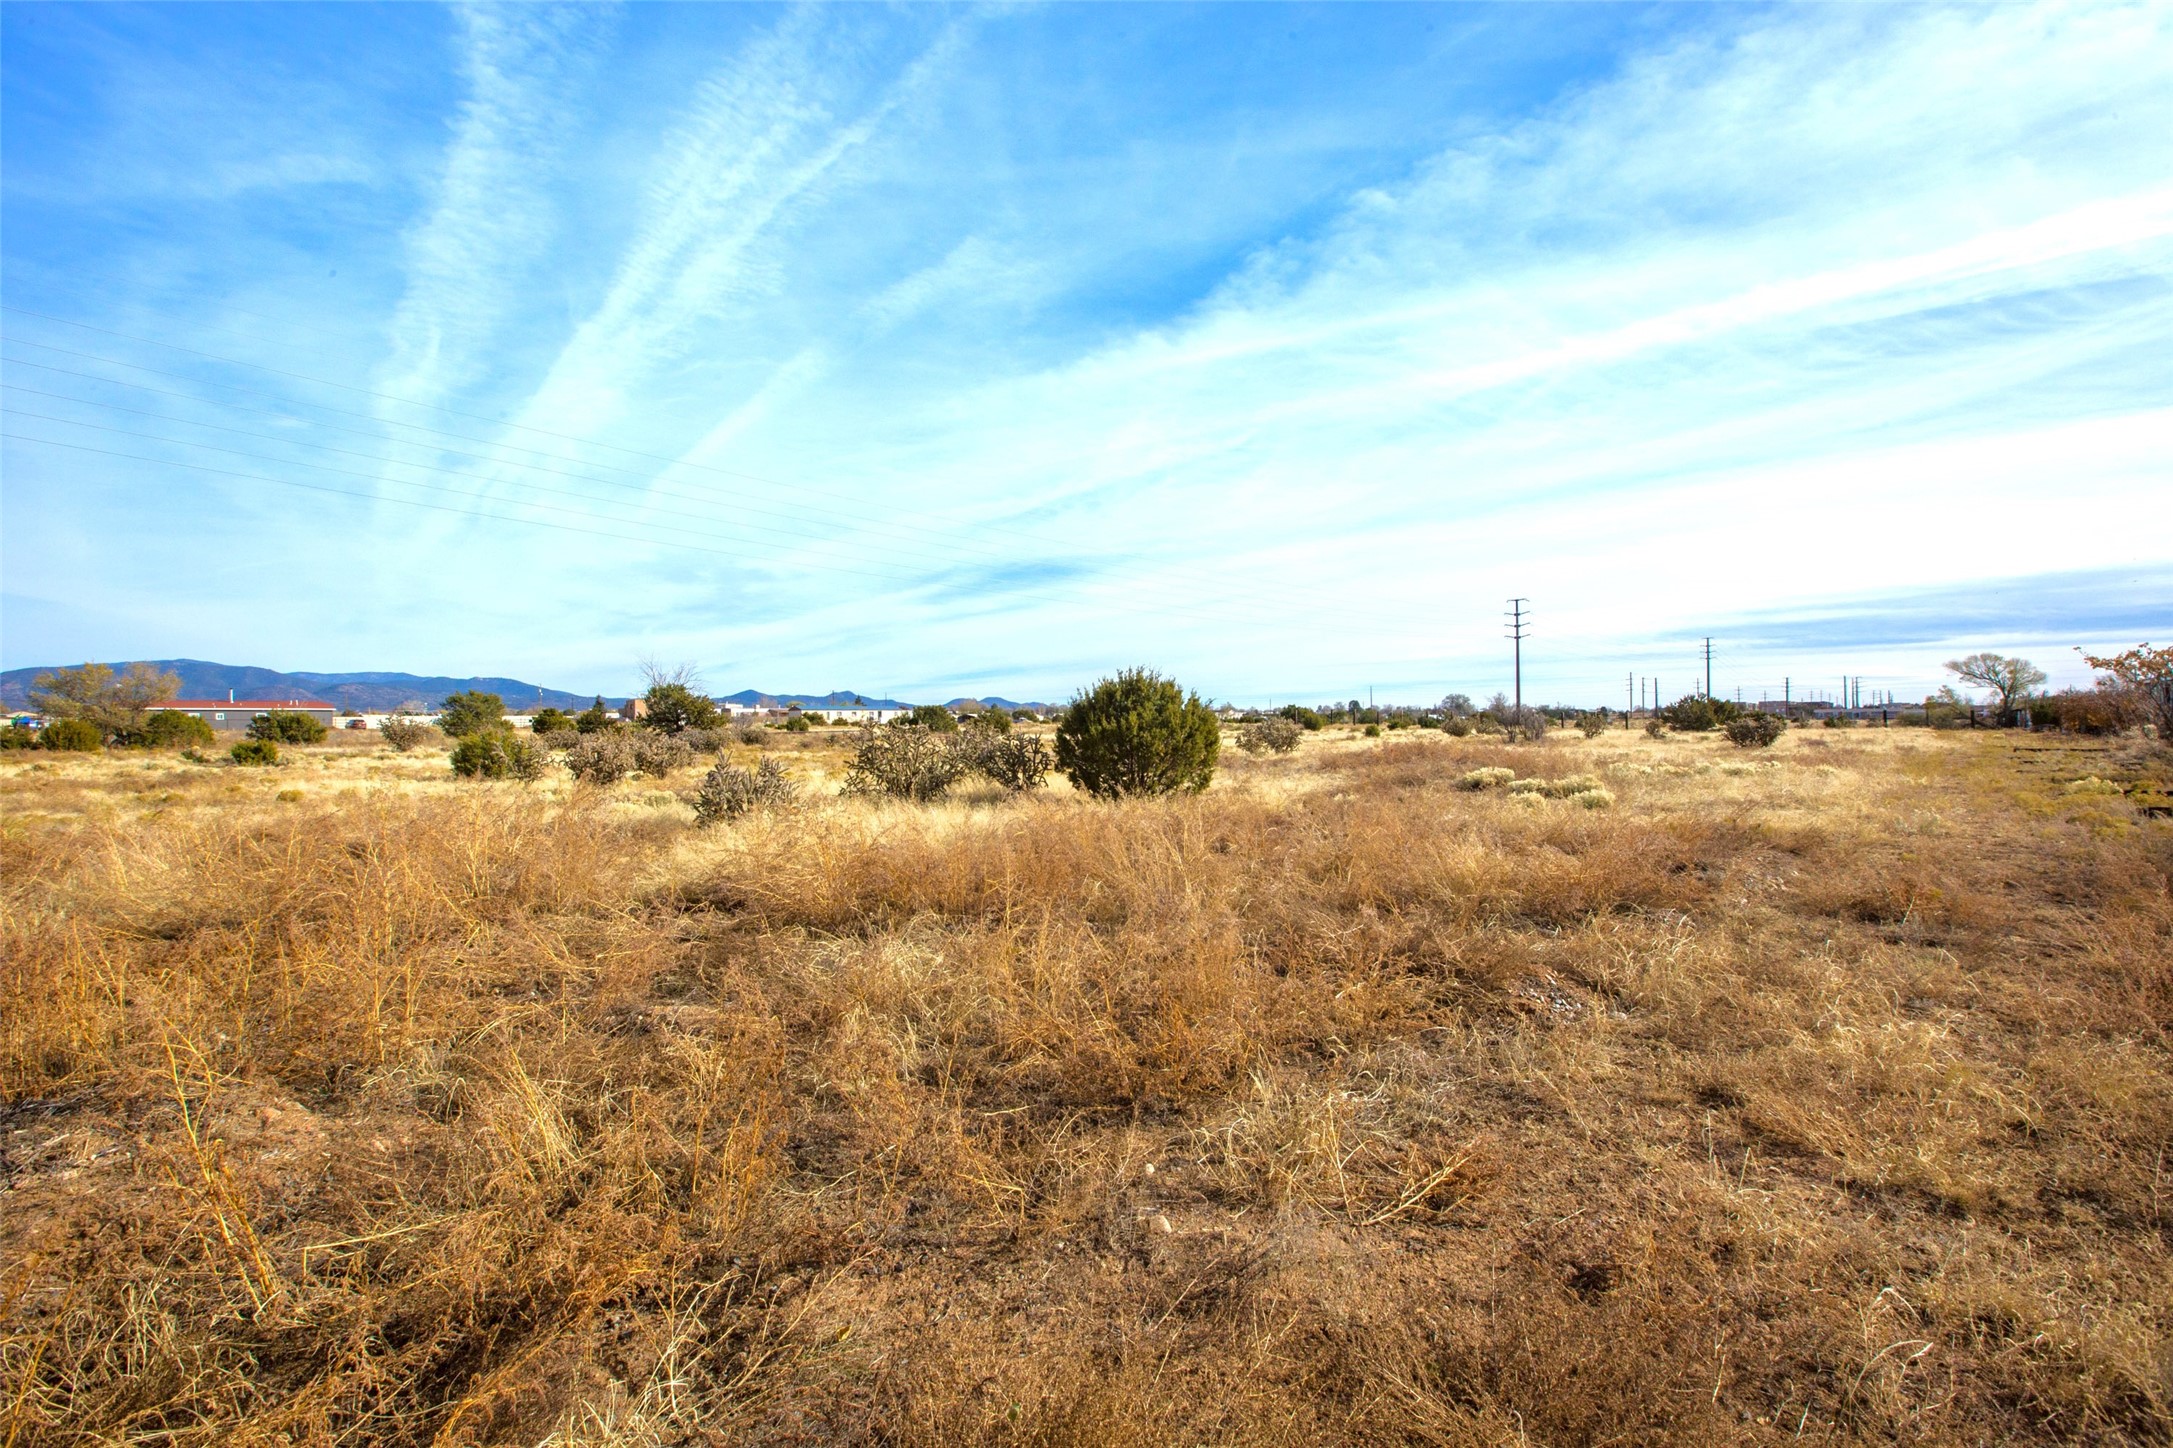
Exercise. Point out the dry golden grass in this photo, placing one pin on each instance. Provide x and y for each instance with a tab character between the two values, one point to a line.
1820	1096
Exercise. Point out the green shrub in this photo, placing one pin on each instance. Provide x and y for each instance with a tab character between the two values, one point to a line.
18	736
1138	733
172	729
1692	714
1306	719
1456	726
1591	798
815	720
729	792
1270	736
1843	721
1373	731
990	721
934	718
549	721
498	754
1656	728
1754	730
72	736
285	726
594	718
1492	776
797	724
904	760
254	752
1591	725
471	713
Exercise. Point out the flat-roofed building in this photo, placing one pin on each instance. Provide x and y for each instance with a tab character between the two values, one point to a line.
236	713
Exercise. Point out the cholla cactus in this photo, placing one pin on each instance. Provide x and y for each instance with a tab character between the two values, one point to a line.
1274	734
729	792
905	761
657	755
1018	762
605	757
402	733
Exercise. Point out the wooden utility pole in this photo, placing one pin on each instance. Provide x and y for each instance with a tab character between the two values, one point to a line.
1517	617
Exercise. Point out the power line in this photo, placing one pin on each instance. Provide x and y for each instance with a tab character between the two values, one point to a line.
1518	624
396	482
948	540
644	487
1156	611
403	463
474	416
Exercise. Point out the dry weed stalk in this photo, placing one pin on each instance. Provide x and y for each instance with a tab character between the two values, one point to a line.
1341	1104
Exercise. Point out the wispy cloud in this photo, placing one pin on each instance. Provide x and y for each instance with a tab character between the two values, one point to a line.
494	214
1051	341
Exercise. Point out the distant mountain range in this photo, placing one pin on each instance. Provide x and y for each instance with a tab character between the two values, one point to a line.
365	691
835	699
376	692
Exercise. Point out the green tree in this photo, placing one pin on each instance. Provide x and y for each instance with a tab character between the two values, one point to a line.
471	713
2010	678
934	718
594	719
286	726
73	736
990	721
549	721
676	706
1138	733
172	729
114	705
498	754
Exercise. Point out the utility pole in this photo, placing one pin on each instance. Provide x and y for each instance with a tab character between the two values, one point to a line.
1629	692
1708	668
1517	617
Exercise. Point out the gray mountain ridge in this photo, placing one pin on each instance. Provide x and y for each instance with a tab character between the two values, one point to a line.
377	690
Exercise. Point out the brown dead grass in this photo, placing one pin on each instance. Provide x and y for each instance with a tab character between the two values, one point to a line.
1819	1096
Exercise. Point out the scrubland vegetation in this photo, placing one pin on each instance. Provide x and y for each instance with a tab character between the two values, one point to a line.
1389	1090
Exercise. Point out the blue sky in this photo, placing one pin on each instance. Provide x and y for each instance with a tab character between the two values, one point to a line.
932	351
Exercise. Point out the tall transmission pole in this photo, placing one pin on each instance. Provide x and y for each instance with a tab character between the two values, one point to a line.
1518	618
1708	668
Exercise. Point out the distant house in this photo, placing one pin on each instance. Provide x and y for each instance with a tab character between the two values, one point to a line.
232	713
634	709
858	714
